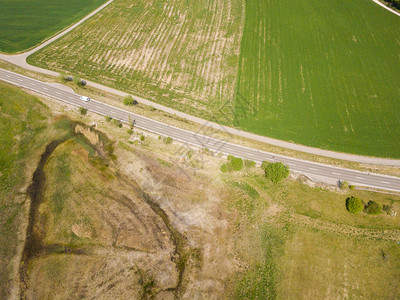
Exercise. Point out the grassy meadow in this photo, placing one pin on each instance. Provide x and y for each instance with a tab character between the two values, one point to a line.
299	242
25	24
322	74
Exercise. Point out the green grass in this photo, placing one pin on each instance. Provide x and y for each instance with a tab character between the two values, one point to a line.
321	73
25	24
23	120
325	258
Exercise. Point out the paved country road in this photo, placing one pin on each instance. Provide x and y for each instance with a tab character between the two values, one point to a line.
315	170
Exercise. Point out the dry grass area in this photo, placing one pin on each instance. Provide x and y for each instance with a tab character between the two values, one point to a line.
180	53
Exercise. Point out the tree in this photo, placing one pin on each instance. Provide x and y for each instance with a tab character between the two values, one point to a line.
354	204
129	101
373	208
82	110
275	172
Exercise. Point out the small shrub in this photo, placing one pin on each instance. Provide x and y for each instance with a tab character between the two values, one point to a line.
129	101
142	138
236	163
108	119
62	76
152	108
129	131
223	168
373	208
159	137
275	172
388	209
168	140
83	110
354	204
344	185
352	187
119	124
249	163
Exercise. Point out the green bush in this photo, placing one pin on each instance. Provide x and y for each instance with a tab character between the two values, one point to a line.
236	163
168	140
354	204
275	172
142	138
373	208
249	163
233	164
223	168
129	101
108	119
388	208
344	185
129	131
82	110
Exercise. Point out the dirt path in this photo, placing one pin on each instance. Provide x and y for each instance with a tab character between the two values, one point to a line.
20	60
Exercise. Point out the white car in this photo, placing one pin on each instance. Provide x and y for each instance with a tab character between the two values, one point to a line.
84	98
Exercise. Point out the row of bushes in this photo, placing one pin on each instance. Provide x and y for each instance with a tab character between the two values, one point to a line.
355	205
394	3
275	172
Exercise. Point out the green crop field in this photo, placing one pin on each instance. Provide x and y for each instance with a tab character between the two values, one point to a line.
318	73
25	24
322	73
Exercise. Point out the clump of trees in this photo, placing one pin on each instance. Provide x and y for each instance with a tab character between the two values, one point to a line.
275	172
233	164
129	101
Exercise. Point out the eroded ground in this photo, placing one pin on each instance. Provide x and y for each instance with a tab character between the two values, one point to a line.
108	227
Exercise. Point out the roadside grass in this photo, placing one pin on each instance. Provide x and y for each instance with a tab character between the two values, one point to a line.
322	74
25	24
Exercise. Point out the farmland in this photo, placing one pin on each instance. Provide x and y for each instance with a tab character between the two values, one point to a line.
25	24
181	53
323	74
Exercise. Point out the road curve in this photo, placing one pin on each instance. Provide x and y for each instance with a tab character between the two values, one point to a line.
204	140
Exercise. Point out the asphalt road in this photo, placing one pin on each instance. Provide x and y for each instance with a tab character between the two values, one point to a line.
203	138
